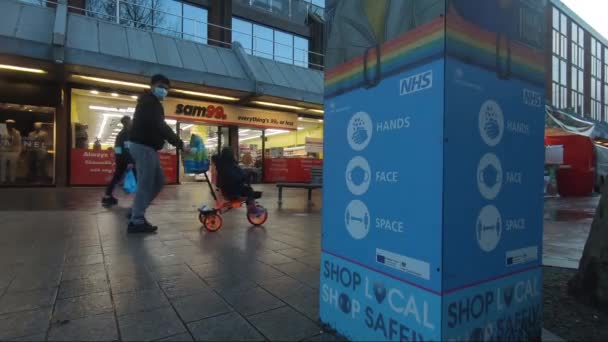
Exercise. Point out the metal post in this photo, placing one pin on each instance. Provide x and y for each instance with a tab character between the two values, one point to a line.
118	11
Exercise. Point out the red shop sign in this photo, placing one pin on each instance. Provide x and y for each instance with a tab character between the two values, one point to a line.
92	167
293	170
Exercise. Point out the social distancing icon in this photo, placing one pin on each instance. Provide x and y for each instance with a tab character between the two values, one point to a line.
357	219
489	228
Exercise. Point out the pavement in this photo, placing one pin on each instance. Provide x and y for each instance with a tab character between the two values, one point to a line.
68	271
566	226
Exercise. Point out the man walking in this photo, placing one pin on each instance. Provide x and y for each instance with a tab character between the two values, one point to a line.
148	135
122	159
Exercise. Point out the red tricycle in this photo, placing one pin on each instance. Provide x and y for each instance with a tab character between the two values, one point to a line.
211	217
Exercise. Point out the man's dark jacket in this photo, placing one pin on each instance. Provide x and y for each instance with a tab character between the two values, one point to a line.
149	126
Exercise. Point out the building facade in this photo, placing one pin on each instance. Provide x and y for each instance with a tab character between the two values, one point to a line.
245	73
578	56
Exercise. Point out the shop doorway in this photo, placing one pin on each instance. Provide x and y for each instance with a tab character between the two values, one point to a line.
27	145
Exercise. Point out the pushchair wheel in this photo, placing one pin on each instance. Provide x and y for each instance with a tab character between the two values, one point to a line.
211	222
259	218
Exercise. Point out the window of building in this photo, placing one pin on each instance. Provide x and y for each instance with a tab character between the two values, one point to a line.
319	3
169	17
195	23
266	42
578	68
559	62
263	39
596	79
605	85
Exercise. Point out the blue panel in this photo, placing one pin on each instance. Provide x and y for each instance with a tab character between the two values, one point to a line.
383	176
508	309
368	306
493	163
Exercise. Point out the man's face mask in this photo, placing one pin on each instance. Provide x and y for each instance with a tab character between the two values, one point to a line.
160	92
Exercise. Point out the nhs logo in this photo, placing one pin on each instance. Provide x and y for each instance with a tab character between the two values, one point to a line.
532	98
416	83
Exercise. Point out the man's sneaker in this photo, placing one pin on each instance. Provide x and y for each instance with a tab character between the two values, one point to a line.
109	201
144	227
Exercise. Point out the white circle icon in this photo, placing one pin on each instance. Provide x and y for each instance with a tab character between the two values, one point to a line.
488	228
491	123
359	131
357	219
489	176
358	176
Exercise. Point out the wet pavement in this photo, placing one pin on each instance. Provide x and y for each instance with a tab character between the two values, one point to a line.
68	271
567	224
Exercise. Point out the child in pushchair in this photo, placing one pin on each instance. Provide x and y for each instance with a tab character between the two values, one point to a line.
231	180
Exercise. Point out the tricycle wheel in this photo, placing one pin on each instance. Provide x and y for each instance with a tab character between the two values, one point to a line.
258	219
211	222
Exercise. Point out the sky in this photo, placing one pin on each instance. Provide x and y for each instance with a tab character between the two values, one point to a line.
594	12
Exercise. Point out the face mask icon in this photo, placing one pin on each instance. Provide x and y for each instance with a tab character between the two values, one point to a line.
358	176
489	175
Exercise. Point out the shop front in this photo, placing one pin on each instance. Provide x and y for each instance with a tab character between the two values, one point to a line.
95	124
255	134
259	134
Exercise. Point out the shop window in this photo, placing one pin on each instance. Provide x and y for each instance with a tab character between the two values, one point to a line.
250	153
289	155
27	145
95	118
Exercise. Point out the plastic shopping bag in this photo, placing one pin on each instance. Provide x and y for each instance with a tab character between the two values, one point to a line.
130	183
196	161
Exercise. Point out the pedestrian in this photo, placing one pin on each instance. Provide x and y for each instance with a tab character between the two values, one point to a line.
123	161
148	135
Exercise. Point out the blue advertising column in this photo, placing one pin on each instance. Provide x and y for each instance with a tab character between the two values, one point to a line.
432	226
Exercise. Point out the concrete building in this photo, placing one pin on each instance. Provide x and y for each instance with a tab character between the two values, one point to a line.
247	73
578	56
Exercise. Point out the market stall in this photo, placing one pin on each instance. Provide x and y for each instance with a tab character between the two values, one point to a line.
577	166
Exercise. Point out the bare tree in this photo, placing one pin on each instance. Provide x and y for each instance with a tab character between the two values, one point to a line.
590	283
142	14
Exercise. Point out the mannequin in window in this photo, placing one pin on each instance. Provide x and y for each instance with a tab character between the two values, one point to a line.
10	151
38	143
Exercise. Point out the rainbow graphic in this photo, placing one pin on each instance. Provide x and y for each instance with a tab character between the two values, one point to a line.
462	40
468	42
396	55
